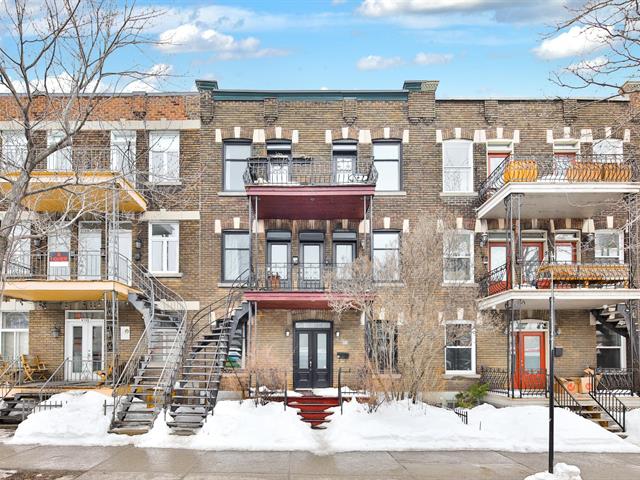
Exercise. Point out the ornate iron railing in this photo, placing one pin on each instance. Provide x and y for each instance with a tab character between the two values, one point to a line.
565	275
559	168
306	171
608	401
616	380
524	382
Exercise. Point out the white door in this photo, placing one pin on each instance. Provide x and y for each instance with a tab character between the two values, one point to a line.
59	258
84	349
20	264
89	244
60	160
120	245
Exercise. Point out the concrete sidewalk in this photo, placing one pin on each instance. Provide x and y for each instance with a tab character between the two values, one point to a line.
119	463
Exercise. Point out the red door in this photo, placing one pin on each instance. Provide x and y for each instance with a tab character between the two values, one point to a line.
530	361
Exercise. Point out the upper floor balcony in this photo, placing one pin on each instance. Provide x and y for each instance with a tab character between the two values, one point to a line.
566	185
576	285
76	179
306	188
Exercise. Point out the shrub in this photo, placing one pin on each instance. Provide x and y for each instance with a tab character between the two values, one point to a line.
472	396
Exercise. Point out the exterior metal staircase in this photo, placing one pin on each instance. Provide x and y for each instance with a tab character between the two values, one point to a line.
204	357
145	382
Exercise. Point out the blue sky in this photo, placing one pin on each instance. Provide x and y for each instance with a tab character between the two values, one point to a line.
474	47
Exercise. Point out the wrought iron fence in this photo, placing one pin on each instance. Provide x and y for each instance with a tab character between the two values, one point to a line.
306	171
564	398
523	382
565	275
559	168
608	401
299	277
617	380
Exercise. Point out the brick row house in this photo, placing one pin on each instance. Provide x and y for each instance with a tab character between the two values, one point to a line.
249	199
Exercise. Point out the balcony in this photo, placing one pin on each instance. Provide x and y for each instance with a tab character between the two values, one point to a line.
576	285
569	186
288	285
75	179
306	188
64	277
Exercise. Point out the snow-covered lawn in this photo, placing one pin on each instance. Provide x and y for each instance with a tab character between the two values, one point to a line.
395	426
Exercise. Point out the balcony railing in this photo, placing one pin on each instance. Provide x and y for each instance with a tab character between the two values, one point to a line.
620	381
69	266
524	382
565	275
305	171
288	277
559	169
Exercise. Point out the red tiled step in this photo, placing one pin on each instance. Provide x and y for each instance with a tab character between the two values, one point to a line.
313	409
315	415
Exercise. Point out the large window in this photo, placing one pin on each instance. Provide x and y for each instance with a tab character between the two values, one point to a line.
14	335
386	157
235	163
457	166
59	160
14	149
386	256
382	345
458	256
164	247
609	246
123	153
235	259
345	155
460	346
610	349
164	157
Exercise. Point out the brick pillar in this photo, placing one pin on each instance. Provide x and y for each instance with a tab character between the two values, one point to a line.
422	100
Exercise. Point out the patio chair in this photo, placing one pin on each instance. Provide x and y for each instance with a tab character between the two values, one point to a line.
35	370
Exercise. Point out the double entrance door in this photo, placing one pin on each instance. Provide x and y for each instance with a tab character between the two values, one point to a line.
84	345
312	355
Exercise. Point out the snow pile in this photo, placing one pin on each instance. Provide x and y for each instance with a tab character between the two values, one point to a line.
561	471
239	426
633	426
80	421
525	429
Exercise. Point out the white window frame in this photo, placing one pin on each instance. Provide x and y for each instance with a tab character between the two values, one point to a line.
446	255
165	249
620	243
473	348
13	142
15	331
469	167
226	160
399	253
123	146
623	350
163	143
59	158
397	161
614	144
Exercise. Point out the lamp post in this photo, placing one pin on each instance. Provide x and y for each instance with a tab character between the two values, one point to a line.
552	334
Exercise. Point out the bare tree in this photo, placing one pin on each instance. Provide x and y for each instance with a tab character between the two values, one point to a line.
406	304
57	68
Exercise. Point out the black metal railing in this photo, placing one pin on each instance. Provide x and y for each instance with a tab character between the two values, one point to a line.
563	398
608	401
524	382
305	171
297	277
565	275
617	380
69	266
559	168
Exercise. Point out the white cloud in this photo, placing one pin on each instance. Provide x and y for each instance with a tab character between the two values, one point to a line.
151	83
423	58
573	42
589	67
192	38
376	62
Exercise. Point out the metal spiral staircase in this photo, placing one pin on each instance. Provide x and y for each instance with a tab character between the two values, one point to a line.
204	356
145	383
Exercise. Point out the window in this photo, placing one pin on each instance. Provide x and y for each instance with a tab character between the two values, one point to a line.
457	166
123	153
345	155
566	247
20	262
610	349
235	259
386	256
458	256
235	163
59	161
14	335
460	347
610	150
494	160
386	158
164	157
279	153
164	247
382	345
609	246
14	149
